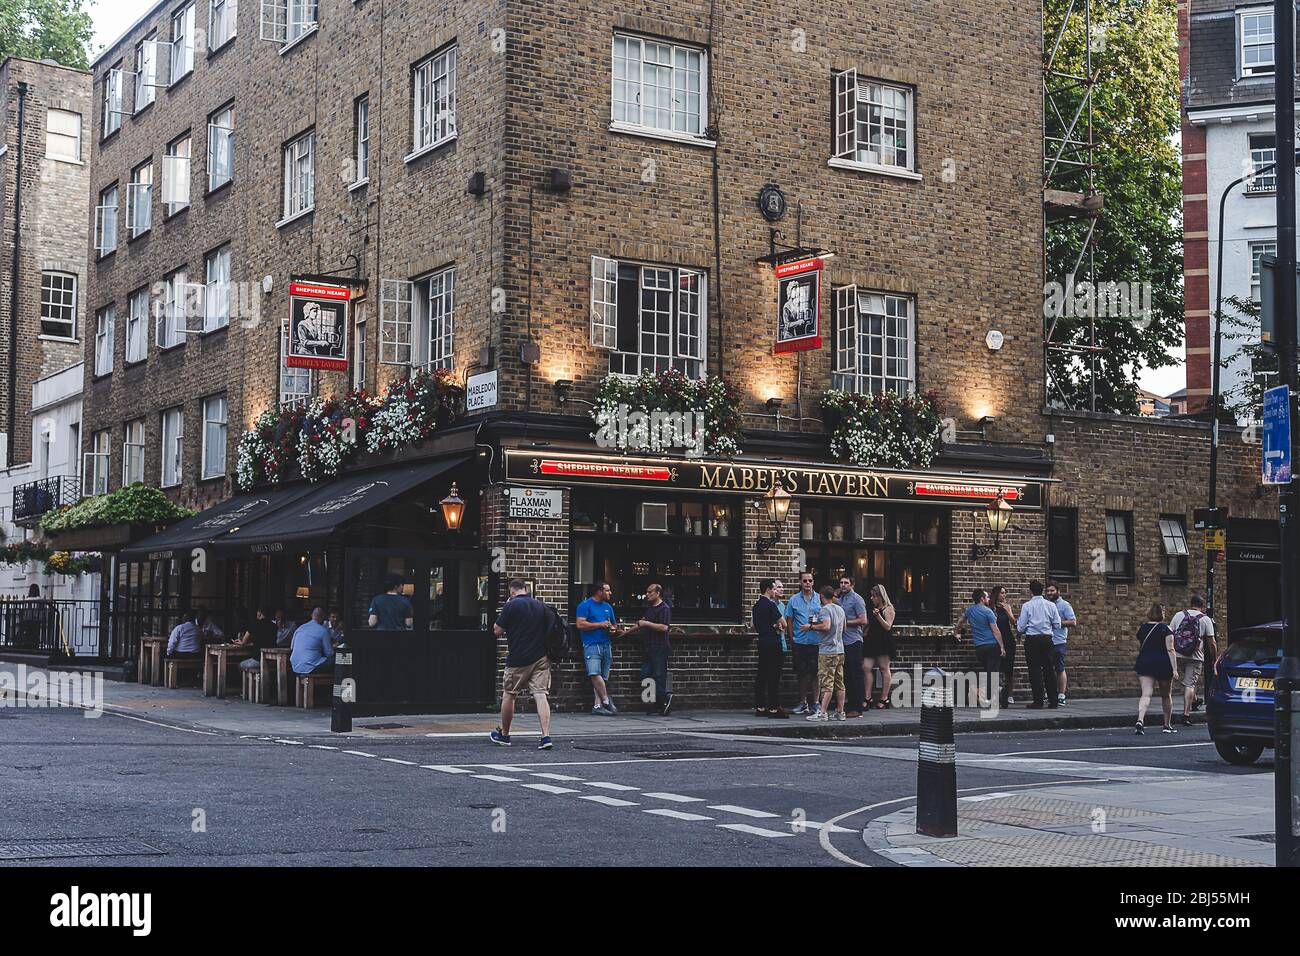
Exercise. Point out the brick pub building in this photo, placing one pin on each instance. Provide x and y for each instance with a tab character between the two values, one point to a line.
548	196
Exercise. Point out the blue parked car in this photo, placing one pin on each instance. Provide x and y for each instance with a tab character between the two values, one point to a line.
1240	706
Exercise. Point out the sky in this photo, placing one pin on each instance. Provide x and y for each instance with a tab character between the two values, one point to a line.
113	17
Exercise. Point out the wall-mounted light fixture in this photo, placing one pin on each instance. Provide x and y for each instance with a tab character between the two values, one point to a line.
453	509
776	505
563	389
998	514
985	423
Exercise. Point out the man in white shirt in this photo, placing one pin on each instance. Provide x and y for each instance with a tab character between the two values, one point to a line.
1059	636
1038	620
1191	648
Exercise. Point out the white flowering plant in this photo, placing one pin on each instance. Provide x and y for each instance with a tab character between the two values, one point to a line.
628	413
331	433
413	409
267	449
884	430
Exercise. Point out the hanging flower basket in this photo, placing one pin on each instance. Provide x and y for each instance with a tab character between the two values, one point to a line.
268	448
667	412
331	434
884	430
413	409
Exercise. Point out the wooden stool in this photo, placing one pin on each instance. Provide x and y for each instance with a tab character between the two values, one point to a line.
175	666
304	692
252	690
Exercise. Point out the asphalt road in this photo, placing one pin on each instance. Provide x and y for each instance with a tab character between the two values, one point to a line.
639	800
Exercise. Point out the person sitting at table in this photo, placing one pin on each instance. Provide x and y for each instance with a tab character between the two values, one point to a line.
312	652
185	640
335	626
212	633
260	633
391	611
284	629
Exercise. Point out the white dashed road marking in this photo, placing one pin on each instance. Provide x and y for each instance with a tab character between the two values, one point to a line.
674	797
612	786
497	778
548	788
557	776
756	831
608	801
443	769
743	811
409	763
359	753
677	815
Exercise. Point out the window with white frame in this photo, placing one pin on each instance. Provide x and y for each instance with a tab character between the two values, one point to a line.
106	221
133	453
1257	252
59	304
1173	544
297	385
146	72
63	135
216	294
284	21
221	147
137	319
301	20
214	437
435	310
112	119
875	344
1255	36
299	175
182	59
97	459
433	89
873	123
362	139
659	86
176	175
650	318
359	345
173	433
222	15
174	307
105	319
1263	152
1119	544
139	201
395	321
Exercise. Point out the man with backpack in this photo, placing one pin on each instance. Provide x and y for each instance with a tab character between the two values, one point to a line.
1193	639
527	624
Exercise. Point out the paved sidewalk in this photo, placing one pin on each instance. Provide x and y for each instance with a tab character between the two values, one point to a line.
1212	820
188	708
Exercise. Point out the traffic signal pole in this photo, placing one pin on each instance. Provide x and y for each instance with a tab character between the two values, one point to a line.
1287	684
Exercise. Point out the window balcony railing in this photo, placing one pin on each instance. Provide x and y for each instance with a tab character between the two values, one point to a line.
37	497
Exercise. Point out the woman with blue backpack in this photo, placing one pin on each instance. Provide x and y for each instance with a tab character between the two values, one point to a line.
1155	666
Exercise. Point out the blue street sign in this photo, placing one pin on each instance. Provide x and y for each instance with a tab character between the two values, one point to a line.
1277	436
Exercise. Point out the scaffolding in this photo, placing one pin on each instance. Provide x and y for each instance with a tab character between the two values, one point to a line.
1072	207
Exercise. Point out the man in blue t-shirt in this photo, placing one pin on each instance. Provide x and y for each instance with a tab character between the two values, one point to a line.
989	649
799	615
390	611
595	620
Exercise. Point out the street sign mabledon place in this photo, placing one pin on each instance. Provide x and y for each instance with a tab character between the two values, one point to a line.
536	503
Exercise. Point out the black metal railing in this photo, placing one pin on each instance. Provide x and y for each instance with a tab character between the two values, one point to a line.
37	497
44	626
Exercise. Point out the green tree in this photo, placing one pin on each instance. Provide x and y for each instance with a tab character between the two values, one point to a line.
58	30
1139	236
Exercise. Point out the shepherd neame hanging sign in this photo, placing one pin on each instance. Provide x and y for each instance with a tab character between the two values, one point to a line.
756	478
318	326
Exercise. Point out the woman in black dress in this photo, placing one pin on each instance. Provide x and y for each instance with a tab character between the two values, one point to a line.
878	646
1007	626
1156	666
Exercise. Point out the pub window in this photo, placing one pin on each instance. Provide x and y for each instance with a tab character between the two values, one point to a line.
133	452
904	549
106	221
659	87
1063	543
105	319
1263	152
697	559
146	72
874	342
650	318
873	124
59	305
297	385
1173	548
182	46
112	119
137	340
433	101
299	175
176	175
1119	544
435	310
221	147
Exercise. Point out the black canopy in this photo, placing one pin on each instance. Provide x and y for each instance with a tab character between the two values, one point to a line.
329	506
211	523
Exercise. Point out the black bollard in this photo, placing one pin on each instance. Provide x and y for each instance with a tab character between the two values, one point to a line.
936	767
344	693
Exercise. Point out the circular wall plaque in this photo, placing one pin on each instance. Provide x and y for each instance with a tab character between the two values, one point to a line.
771	203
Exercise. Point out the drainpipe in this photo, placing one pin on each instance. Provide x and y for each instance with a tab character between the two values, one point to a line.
13	278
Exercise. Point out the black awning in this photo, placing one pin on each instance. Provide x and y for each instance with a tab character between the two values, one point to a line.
211	523
329	506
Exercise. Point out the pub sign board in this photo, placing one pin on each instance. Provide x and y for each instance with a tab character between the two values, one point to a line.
798	322
318	326
754	479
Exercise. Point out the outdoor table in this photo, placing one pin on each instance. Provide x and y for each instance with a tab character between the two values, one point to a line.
275	660
150	663
215	659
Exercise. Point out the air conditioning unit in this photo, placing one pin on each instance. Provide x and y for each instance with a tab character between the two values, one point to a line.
871	527
652	517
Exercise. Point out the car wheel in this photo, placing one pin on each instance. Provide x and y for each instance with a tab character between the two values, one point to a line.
1243	753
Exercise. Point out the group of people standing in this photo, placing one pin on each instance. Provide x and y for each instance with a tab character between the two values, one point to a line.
837	640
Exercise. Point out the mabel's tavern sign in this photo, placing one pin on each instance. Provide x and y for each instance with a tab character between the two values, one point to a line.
756	478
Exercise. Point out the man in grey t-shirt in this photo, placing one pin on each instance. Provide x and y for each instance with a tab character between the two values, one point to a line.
855	623
829	624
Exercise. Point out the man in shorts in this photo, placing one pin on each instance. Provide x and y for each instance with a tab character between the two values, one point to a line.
524	621
1191	662
799	615
829	626
596	624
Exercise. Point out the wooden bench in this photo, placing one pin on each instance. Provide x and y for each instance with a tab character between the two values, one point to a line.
174	667
304	692
252	690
